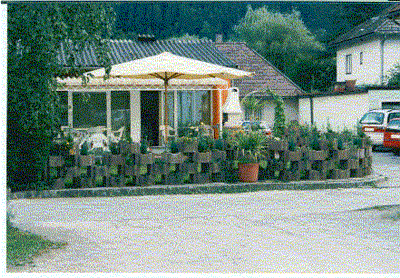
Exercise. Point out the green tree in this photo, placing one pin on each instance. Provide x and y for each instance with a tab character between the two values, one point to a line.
285	41
35	32
394	76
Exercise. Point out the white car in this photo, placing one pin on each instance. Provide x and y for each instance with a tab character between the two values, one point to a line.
374	123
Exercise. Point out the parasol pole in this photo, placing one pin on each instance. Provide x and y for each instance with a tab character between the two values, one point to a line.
165	112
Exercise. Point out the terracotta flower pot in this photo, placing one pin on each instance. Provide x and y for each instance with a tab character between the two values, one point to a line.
248	172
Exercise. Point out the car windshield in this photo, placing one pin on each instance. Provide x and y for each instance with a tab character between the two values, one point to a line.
394	124
372	118
393	115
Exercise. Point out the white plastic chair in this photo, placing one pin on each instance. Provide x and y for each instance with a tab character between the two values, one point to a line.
171	133
116	136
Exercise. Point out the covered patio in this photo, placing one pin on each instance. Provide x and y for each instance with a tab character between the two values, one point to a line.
148	99
121	107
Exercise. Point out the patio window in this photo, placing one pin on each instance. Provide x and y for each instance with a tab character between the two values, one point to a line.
89	110
64	108
120	111
194	108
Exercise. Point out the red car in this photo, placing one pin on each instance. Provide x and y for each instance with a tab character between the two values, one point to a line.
391	137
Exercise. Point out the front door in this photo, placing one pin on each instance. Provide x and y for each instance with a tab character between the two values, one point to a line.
149	106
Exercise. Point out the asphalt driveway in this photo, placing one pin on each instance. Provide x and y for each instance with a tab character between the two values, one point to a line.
275	231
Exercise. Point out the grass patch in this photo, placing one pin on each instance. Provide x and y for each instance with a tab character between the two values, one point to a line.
22	246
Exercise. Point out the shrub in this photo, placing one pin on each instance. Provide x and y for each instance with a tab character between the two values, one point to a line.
250	145
84	148
205	144
219	144
114	148
144	147
173	147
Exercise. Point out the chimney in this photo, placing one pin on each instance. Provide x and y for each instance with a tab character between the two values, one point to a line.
218	38
146	38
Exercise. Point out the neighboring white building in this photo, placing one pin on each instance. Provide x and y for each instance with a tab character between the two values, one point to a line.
368	52
364	57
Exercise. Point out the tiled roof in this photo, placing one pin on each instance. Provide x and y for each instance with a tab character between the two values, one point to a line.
375	26
127	50
265	74
394	9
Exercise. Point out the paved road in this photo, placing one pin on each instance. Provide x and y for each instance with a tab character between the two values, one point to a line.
388	164
275	231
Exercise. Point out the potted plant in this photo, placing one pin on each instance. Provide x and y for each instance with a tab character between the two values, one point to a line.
204	150
85	159
174	155
293	153
187	144
219	153
145	157
116	157
250	145
56	157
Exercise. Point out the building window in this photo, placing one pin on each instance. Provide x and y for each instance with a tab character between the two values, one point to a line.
64	108
361	58
89	110
120	111
348	64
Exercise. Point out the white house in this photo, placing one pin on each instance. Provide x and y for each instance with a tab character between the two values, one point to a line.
364	57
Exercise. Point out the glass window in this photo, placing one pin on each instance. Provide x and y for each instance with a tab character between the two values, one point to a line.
393	116
372	118
194	108
89	110
120	111
348	64
395	124
361	58
64	108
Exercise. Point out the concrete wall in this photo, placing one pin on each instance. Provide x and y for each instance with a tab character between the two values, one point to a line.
369	72
377	97
342	111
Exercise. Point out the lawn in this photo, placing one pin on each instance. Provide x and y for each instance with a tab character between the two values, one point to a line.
22	246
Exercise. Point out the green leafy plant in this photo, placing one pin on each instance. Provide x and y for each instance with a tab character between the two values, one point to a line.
205	144
114	148
279	114
35	34
250	145
173	146
130	160
84	148
144	145
219	144
292	143
315	139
